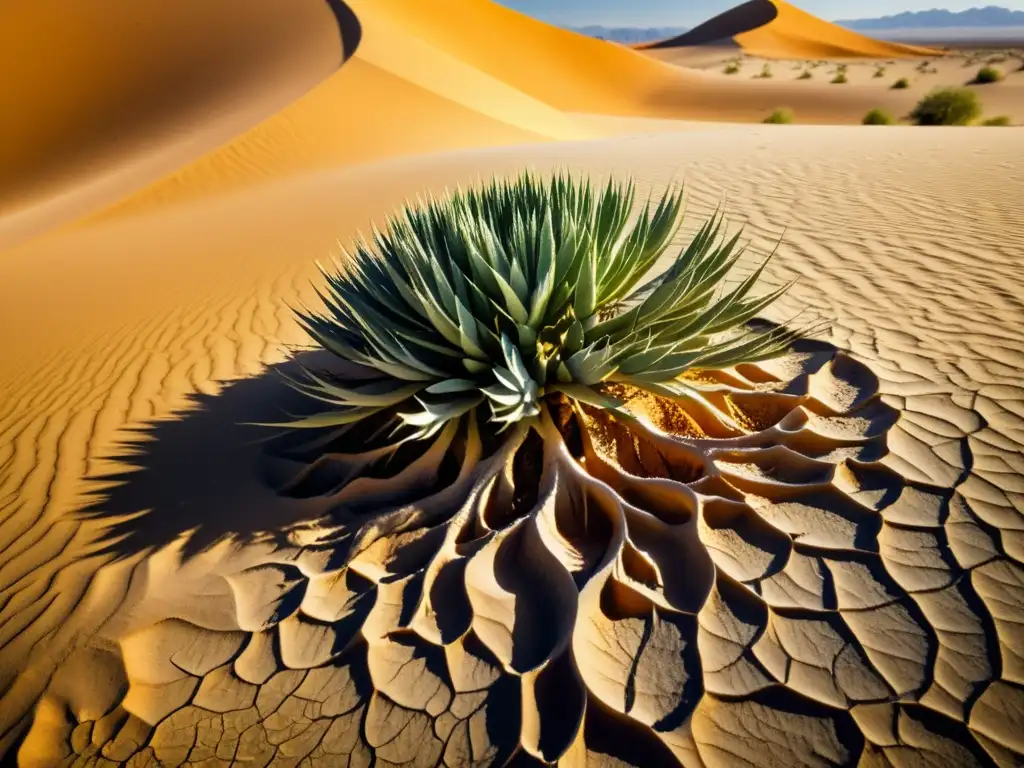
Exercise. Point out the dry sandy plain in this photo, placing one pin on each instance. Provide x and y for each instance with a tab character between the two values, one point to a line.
847	591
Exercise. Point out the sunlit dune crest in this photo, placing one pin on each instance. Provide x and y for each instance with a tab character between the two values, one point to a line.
776	29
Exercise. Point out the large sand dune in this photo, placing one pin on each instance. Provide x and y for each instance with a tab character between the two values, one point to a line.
774	28
175	589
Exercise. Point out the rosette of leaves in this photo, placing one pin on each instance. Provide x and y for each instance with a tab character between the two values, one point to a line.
507	297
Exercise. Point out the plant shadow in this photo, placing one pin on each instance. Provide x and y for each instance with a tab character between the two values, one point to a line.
209	472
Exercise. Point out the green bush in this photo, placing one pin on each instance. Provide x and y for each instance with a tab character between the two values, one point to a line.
999	120
732	68
878	117
501	304
780	116
840	79
947	106
766	72
880	72
987	75
901	84
805	75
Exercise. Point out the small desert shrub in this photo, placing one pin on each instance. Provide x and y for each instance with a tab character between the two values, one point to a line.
901	84
766	72
840	79
805	75
732	68
781	116
502	304
999	120
987	75
880	72
878	117
947	106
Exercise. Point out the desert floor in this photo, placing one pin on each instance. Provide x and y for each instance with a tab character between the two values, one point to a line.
818	100
174	592
907	240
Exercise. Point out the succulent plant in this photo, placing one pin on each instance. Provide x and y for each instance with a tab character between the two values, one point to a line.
523	291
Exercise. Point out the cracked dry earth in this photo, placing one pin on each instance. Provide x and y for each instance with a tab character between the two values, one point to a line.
820	563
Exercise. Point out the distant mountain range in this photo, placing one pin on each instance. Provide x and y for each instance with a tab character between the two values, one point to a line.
630	34
989	16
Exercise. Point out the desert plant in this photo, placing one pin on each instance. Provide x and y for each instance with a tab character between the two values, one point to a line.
947	106
805	75
878	117
901	84
987	75
523	294
766	72
879	72
732	68
839	79
999	120
780	116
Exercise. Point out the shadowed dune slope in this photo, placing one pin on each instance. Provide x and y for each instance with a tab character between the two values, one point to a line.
101	98
722	28
774	28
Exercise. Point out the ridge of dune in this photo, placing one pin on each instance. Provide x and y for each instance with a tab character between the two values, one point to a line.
565	69
777	29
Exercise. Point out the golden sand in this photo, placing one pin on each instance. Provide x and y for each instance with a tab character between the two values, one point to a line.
164	195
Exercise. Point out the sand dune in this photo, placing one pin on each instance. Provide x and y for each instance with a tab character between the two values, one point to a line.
251	667
776	29
829	564
106	97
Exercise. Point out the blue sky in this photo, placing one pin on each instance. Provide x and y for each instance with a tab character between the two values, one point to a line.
688	13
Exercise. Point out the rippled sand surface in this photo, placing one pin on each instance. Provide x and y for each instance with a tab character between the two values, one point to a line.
858	597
